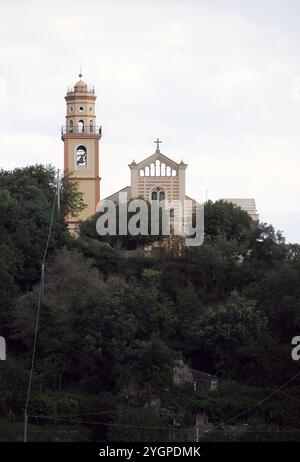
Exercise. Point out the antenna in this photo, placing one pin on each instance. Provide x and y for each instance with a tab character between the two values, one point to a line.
58	191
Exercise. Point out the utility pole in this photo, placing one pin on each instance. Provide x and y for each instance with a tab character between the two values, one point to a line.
197	433
25	426
58	191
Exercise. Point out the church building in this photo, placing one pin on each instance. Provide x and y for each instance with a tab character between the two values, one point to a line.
160	178
157	177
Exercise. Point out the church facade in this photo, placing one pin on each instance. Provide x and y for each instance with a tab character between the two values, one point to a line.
158	177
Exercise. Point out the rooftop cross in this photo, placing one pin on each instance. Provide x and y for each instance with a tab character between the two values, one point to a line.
157	143
80	73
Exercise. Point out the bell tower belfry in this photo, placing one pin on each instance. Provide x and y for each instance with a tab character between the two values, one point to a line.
81	138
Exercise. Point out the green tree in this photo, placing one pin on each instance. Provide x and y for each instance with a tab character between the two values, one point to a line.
222	218
27	197
236	335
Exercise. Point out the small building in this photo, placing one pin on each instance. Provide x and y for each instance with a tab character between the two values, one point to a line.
201	419
248	205
200	380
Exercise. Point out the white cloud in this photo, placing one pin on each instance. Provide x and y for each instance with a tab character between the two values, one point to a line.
26	149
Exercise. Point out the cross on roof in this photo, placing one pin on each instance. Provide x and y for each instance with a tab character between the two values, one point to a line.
157	143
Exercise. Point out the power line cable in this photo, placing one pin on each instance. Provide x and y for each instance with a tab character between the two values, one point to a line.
145	427
255	405
41	288
71	419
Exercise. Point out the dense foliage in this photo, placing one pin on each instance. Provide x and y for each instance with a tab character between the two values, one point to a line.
112	325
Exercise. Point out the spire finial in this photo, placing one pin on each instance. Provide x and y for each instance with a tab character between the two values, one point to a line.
80	72
157	144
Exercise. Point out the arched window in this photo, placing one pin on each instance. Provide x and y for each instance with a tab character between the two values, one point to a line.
162	195
71	126
154	195
80	126
157	167
81	156
91	126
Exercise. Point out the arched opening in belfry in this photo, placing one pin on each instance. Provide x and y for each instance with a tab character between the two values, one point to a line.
81	156
80	126
71	126
91	126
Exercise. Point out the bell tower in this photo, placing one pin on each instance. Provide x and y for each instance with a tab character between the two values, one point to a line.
81	138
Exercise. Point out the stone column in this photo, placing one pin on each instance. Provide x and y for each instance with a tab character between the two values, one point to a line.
134	179
181	180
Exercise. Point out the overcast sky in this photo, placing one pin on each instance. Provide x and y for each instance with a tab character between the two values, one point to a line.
218	81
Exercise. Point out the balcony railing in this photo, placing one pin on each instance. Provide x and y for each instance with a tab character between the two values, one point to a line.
89	89
80	130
